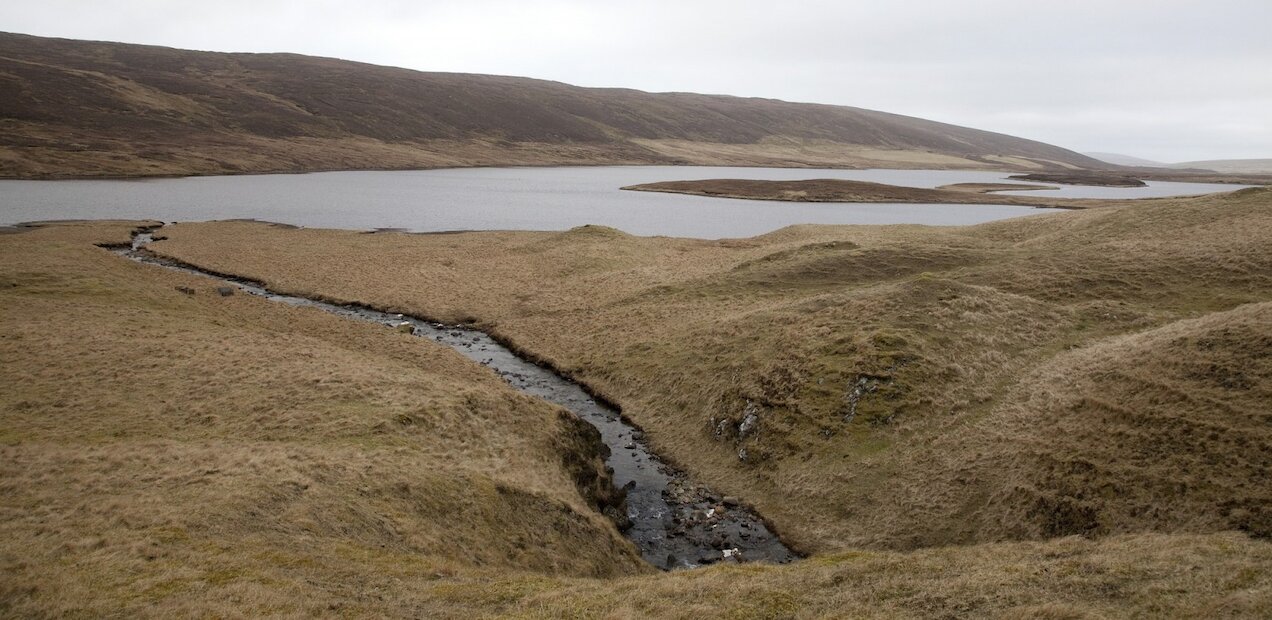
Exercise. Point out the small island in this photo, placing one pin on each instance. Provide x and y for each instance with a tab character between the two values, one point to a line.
1082	178
989	188
841	190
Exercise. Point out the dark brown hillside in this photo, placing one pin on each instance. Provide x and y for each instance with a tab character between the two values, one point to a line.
92	108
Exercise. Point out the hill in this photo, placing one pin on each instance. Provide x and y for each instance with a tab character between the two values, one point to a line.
1222	166
82	108
1230	166
1126	160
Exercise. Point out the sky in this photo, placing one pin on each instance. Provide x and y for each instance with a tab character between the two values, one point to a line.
1165	80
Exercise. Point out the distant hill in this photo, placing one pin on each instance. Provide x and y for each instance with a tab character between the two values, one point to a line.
1224	166
82	108
1230	166
1125	160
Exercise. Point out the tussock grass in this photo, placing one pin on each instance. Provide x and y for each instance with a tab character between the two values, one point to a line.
954	336
170	452
1135	576
940	410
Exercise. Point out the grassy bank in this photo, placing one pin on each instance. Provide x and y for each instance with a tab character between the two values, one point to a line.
914	386
187	454
940	411
1178	576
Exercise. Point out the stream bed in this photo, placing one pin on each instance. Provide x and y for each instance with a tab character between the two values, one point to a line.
673	521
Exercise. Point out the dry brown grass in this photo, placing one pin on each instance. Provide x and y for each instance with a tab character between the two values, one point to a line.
786	152
954	334
173	453
1146	576
166	454
212	155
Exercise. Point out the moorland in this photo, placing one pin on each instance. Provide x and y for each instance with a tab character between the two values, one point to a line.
943	433
909	379
1063	415
1055	415
85	108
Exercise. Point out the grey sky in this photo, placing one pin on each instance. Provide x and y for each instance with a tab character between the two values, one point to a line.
1165	80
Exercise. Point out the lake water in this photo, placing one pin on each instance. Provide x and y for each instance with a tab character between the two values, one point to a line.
516	199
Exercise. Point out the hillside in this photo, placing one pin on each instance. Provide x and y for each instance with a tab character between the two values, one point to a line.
229	456
914	386
1126	160
198	440
1230	166
1222	166
81	108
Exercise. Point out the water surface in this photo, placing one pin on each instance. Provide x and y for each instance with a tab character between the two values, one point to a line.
515	199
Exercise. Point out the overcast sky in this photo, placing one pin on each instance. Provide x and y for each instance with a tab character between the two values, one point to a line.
1166	80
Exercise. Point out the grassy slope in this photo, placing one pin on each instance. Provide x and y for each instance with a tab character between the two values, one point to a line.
1091	372
1177	576
175	453
94	108
167	454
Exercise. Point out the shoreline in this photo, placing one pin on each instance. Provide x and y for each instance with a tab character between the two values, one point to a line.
1216	178
675	164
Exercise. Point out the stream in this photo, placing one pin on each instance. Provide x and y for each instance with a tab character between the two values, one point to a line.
675	522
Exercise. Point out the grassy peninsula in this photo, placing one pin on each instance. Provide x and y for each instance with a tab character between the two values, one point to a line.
842	190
